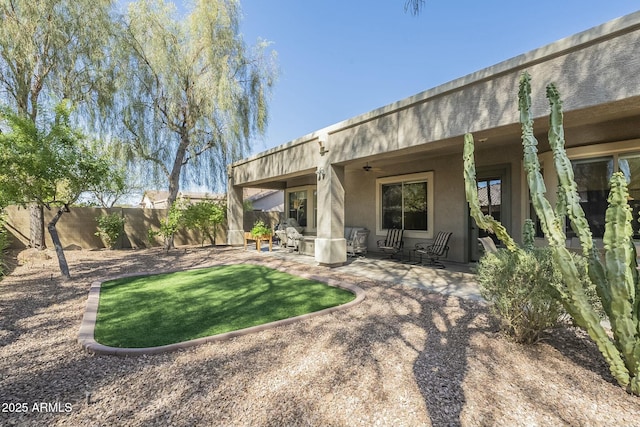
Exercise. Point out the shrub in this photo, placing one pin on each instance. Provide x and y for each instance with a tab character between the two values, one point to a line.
169	225
517	284
205	217
110	228
260	229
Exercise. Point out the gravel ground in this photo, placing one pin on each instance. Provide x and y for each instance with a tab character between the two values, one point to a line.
404	357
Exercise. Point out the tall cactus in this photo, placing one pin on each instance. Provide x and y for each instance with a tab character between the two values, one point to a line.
617	280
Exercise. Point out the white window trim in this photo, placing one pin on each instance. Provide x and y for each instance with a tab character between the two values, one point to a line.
310	227
609	149
619	148
422	176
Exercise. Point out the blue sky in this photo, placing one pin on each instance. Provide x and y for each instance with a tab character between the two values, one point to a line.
341	58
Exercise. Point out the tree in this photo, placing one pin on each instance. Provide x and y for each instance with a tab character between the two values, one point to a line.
118	184
205	217
414	6
51	50
50	164
193	94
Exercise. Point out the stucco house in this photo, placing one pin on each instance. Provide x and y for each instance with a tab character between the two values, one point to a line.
401	165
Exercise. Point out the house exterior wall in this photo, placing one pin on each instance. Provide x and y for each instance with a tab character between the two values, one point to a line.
595	71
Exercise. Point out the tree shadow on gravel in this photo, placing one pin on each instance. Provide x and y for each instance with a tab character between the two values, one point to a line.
575	344
440	367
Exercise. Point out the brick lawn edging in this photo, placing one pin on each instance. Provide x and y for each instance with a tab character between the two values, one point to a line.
87	327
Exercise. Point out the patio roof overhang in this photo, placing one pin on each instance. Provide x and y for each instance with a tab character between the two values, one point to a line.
595	71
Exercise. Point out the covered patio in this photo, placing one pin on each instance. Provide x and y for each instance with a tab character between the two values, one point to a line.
457	279
400	166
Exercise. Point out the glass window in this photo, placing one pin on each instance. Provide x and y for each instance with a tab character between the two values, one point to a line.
298	206
415	206
315	208
630	166
392	206
592	180
404	205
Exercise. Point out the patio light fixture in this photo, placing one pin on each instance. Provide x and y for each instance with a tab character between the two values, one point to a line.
320	172
366	167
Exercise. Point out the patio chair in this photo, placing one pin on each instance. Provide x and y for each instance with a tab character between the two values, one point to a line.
439	248
392	245
488	245
289	233
293	237
357	245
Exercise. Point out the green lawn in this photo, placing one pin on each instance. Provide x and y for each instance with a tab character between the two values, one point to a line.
168	308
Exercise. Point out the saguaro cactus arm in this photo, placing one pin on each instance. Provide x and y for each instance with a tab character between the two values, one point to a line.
622	283
486	222
568	194
573	297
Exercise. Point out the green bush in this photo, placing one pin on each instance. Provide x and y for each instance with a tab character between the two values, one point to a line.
205	217
169	225
260	229
518	287
110	228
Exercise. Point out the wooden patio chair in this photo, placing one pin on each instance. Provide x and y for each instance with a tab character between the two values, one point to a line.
435	250
392	245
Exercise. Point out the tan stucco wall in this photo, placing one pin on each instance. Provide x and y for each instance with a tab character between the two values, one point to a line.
77	228
450	205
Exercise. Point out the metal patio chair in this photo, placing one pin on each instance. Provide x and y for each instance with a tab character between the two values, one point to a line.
435	250
393	244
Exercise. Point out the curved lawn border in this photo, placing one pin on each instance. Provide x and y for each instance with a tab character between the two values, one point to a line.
87	340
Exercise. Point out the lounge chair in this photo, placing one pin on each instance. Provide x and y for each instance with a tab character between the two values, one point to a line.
435	250
289	233
357	242
393	244
488	245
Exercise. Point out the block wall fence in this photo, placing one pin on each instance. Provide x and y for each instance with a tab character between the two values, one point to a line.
77	228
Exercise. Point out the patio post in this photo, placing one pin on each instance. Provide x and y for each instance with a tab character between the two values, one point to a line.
235	215
331	246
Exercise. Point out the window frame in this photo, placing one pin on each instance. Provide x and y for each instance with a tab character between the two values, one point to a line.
427	177
312	218
613	150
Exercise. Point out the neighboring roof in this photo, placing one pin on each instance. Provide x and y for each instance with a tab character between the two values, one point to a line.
159	196
495	191
254	194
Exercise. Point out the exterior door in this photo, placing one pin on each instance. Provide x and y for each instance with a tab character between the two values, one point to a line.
493	195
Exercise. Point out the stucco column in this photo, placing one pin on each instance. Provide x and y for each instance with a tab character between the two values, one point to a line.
235	215
331	246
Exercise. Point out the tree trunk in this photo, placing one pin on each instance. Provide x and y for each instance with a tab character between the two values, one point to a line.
174	182
36	226
62	261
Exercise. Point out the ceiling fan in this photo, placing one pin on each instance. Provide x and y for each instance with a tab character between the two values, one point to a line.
368	168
